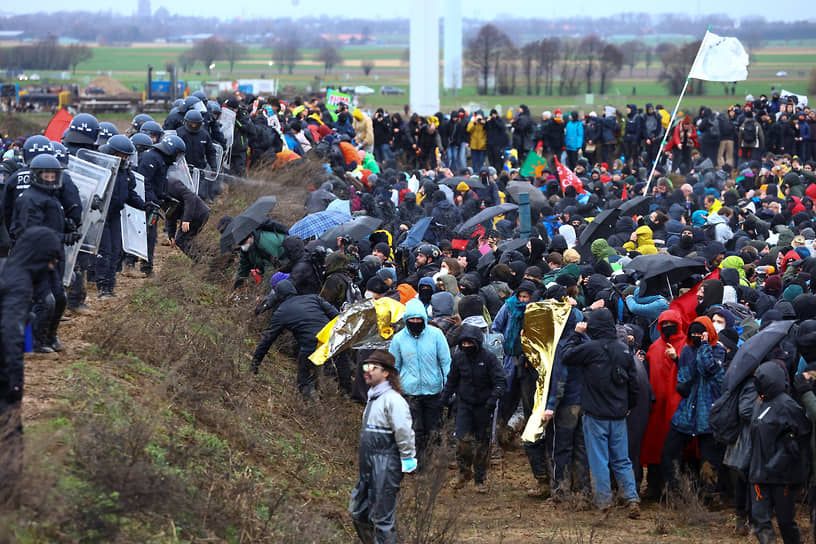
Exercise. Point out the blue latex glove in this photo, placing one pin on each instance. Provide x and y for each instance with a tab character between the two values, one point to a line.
409	465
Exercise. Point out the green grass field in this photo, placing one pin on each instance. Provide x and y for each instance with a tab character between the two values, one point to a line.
129	65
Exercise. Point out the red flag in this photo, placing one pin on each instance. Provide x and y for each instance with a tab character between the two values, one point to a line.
568	177
686	303
58	124
624	194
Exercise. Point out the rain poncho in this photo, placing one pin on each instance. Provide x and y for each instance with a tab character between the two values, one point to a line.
644	244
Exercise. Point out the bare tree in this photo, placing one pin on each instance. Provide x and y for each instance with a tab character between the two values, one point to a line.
529	53
367	66
569	65
483	53
648	57
186	60
330	58
631	52
234	52
610	65
78	53
548	54
507	70
676	62
208	51
286	54
590	48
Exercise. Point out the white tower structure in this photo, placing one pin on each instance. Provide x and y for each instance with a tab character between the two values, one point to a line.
424	51
452	35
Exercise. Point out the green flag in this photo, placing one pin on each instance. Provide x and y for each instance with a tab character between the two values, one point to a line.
534	165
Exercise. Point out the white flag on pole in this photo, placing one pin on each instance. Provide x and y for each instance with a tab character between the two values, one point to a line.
720	59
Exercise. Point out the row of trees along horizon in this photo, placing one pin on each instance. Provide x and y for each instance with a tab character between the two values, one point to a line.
552	66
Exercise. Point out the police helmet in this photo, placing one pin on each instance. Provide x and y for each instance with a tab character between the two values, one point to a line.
214	108
106	130
83	130
171	146
42	166
141	141
60	153
189	103
201	96
138	121
120	144
153	130
193	120
36	145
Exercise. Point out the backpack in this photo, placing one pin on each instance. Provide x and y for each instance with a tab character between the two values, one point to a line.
724	416
749	132
322	149
494	343
353	295
714	129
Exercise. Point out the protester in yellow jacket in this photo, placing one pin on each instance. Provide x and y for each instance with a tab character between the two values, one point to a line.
364	130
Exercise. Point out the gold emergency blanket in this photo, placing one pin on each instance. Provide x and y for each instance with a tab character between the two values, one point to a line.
543	324
364	325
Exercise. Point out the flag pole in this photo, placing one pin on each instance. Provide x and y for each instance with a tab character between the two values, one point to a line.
674	115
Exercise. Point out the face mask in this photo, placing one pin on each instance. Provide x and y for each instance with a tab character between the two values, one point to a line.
415	328
696	341
425	295
668	331
470	351
718	327
368	294
245	247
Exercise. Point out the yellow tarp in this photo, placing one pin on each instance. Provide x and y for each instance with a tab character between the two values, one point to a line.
364	324
543	324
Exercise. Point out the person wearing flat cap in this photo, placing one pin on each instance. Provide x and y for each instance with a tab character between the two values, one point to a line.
386	451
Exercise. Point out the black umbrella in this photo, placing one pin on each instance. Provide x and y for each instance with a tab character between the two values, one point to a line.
752	353
486	261
317	201
356	229
662	264
537	198
472	182
484	215
603	226
638	205
512	245
244	223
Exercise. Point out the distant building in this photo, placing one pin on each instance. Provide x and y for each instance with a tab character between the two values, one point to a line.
143	9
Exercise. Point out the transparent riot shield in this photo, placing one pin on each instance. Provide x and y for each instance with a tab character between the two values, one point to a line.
134	225
219	158
181	172
93	221
195	174
90	244
227	122
86	186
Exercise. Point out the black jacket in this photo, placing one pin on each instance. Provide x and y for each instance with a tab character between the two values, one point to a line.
300	268
153	167
174	120
779	431
200	151
124	192
26	265
303	315
610	385
37	208
476	380
189	209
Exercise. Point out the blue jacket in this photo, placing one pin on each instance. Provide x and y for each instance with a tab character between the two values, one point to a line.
699	373
574	137
423	363
648	307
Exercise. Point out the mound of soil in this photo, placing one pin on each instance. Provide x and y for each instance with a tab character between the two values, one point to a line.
111	86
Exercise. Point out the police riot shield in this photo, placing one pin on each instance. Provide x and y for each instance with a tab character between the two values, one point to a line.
219	158
180	171
134	225
87	177
227	122
195	175
90	244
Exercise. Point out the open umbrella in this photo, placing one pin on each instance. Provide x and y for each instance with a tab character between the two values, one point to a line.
356	229
513	244
752	353
417	233
638	205
245	222
537	198
663	269
317	201
484	215
316	224
603	226
472	182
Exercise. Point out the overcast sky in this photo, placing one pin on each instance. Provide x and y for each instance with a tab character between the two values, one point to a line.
484	9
